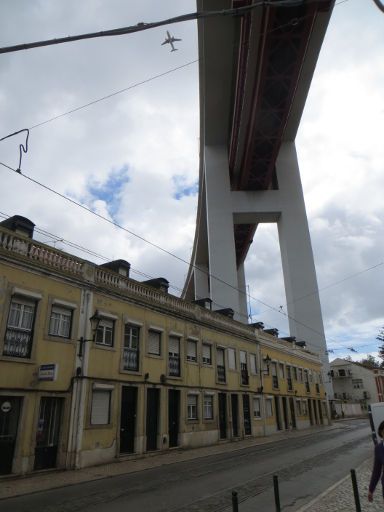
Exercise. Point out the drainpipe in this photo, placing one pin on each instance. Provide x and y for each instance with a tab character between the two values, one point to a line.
80	384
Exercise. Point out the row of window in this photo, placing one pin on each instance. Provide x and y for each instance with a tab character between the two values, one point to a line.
101	407
20	324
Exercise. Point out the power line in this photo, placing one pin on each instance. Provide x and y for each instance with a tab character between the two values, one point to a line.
98	100
139	27
115	224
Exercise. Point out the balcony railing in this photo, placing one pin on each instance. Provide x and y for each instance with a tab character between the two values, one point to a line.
131	359
17	343
174	366
220	373
244	374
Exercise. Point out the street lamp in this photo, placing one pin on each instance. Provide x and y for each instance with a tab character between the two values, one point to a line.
95	321
267	360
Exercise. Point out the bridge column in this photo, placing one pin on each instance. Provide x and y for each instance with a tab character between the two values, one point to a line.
221	241
242	293
303	302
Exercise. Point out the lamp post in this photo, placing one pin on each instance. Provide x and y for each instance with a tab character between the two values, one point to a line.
95	321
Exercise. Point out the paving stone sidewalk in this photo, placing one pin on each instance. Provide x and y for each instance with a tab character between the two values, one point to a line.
339	497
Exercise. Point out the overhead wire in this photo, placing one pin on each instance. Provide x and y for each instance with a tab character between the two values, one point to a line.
141	26
169	253
147	26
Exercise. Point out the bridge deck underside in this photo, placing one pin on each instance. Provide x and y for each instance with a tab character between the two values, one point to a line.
258	129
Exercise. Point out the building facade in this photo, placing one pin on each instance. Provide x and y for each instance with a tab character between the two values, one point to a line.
96	366
356	384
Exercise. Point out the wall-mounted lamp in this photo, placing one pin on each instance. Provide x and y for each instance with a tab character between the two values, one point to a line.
95	321
267	361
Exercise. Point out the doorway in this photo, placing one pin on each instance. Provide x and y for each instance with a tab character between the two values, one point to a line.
48	432
285	413
277	409
173	417
292	410
247	416
128	419
235	415
310	412
153	401
9	420
223	415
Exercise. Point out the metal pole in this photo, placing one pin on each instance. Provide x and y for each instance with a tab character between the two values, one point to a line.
235	502
276	491
355	490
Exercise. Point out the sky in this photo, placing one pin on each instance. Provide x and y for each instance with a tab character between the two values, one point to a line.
134	157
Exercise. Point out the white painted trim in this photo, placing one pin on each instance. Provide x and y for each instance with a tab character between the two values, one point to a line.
154	328
129	321
176	334
193	338
64	303
193	392
105	314
106	387
26	293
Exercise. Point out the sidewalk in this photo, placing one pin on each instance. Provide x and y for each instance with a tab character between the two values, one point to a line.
339	497
11	486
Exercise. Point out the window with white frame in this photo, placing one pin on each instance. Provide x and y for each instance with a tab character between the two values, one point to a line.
269	407
256	407
294	371
192	407
192	350
154	342
174	356
232	359
207	353
131	349
304	407
104	333
208	407
281	370
101	407
60	322
18	335
299	408
253	363
300	374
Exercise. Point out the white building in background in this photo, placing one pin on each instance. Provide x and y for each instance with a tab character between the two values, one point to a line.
353	384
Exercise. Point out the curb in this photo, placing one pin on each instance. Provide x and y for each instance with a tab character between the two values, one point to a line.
325	493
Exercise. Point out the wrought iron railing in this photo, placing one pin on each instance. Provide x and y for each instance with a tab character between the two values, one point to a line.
244	374
131	359
220	373
17	343
174	366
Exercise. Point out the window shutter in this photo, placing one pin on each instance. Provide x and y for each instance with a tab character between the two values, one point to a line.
100	407
253	363
154	342
243	357
174	345
191	349
206	351
220	357
231	359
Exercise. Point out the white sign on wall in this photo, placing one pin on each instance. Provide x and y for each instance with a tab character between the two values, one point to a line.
48	371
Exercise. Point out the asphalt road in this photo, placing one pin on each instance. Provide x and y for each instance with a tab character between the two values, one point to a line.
306	466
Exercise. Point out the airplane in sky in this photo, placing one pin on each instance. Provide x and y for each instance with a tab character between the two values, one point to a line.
170	40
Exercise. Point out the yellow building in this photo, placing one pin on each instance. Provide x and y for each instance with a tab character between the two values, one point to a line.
97	366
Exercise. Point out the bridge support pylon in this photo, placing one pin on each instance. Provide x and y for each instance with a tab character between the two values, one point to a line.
217	273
